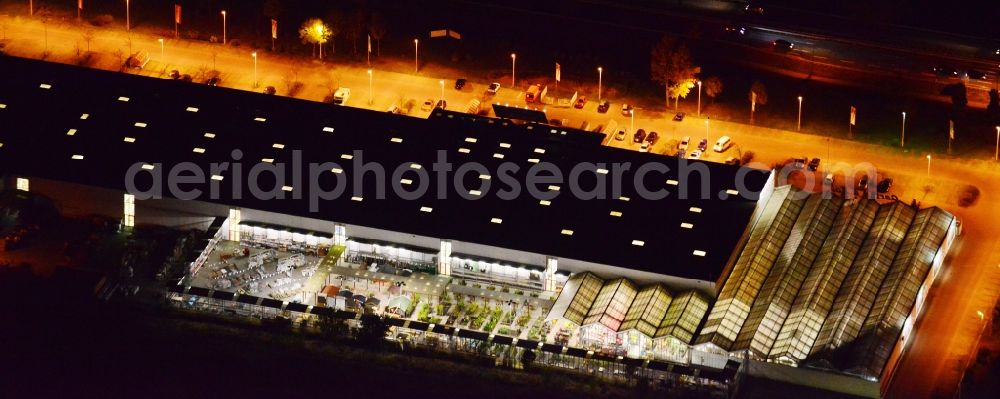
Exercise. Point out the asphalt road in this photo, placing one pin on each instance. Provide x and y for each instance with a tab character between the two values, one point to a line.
944	336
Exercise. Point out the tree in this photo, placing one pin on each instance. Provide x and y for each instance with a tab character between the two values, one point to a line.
958	94
336	19
713	86
758	88
88	36
353	28
671	66
377	29
373	330
316	32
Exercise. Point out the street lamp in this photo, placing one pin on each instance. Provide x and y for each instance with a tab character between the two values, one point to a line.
254	54
128	17
600	72
370	88
161	48
513	69
902	132
441	82
699	98
631	123
928	165
416	55
223	27
996	150
706	129
798	126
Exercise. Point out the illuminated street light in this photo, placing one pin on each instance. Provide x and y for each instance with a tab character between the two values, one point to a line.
513	70
161	48
928	165
416	55
371	94
254	54
798	126
600	72
982	317
223	26
441	82
631	124
902	132
699	98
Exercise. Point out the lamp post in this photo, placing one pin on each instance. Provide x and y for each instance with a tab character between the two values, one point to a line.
416	55
631	123
798	125
902	132
161	48
996	150
441	82
513	70
600	73
928	165
371	88
706	129
699	98
254	54
128	17
223	27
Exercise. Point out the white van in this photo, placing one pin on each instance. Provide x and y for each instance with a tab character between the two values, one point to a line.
722	144
341	95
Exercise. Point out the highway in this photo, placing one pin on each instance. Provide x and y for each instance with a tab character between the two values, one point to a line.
944	336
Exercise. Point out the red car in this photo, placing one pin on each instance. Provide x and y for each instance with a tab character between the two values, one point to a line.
580	101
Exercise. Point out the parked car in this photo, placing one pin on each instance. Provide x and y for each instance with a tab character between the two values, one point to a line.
626	110
603	107
884	185
580	102
620	136
753	9
799	163
639	136
678	117
694	155
394	109
213	81
175	74
459	84
683	144
652	137
783	45
270	90
863	183
644	147
442	104
493	88
813	164
341	95
722	144
703	145
428	105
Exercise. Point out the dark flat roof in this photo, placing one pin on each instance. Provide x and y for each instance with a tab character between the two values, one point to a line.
35	120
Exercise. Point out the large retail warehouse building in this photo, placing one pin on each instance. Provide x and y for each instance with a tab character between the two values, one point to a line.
742	269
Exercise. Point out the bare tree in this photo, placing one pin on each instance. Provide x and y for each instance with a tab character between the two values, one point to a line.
335	21
760	90
377	29
671	66
291	81
88	36
354	27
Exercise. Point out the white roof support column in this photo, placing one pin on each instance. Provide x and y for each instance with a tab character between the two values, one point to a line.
128	211
235	217
549	279
340	234
444	258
